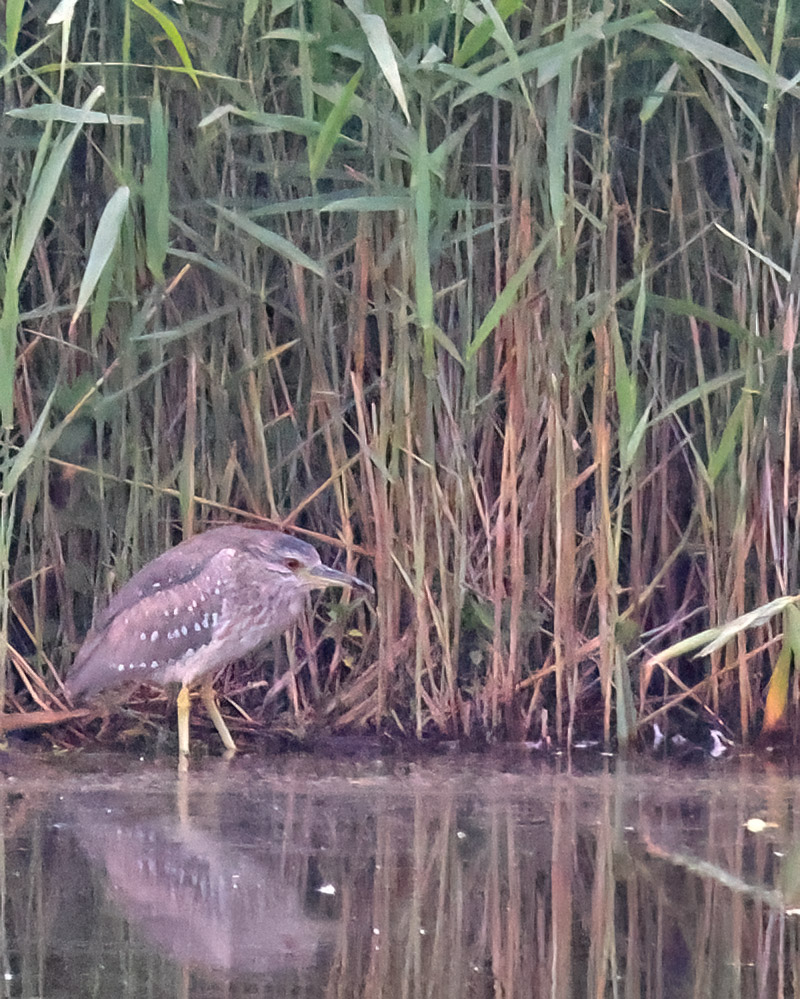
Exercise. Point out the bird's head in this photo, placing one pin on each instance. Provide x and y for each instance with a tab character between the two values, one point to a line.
297	562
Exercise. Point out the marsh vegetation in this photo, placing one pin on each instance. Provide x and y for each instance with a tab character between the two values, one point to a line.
497	303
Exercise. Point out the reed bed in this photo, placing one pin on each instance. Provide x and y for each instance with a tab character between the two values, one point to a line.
498	302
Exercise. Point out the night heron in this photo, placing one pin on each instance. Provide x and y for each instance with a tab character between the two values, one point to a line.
199	606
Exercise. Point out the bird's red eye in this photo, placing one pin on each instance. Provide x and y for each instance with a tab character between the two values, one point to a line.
292	563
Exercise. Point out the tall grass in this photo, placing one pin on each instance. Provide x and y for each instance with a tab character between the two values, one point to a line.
500	302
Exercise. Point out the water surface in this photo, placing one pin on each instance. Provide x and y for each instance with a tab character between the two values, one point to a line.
482	876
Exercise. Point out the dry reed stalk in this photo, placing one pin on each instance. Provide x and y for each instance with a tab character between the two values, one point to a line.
603	543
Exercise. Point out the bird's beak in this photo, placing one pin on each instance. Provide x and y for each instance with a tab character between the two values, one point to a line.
323	575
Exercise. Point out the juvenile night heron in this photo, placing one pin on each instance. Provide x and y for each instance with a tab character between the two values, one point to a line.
199	606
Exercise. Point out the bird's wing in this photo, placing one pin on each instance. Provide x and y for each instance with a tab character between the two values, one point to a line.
173	567
144	636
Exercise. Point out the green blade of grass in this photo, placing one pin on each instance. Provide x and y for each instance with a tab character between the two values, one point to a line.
481	32
686	307
47	172
56	111
14	10
507	296
558	131
718	458
660	91
332	126
505	41
270	122
38	205
377	35
169	29
278	244
704	48
16	467
155	193
103	246
737	23
421	187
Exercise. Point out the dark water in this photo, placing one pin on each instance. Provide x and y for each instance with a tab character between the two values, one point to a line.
471	878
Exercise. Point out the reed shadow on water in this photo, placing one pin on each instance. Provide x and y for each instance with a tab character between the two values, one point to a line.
462	877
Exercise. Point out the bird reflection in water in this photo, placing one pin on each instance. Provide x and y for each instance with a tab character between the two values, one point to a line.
205	904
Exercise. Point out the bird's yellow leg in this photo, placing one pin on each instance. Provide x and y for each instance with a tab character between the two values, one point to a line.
183	721
207	693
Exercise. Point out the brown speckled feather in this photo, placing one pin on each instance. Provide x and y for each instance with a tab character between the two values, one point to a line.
168	614
201	605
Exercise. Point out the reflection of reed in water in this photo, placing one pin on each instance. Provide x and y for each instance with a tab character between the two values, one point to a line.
503	885
196	898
